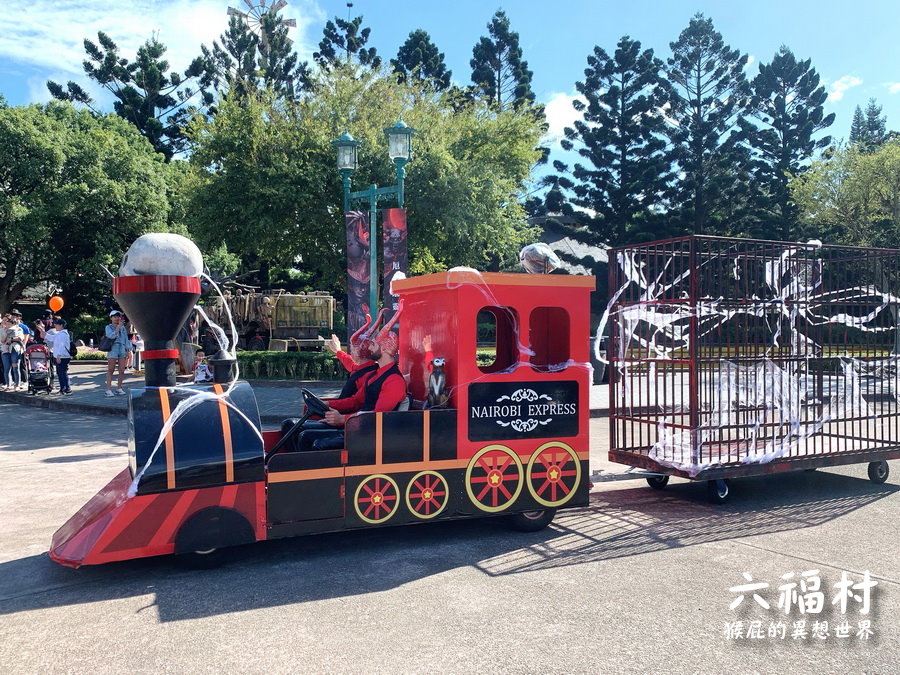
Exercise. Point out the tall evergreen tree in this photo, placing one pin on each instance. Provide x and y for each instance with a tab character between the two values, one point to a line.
247	61
858	126
419	58
709	96
158	102
872	132
788	107
499	73
348	37
624	172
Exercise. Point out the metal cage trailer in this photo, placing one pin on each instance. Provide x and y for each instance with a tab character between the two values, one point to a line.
740	357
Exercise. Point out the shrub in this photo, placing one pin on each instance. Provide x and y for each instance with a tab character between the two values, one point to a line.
90	354
290	366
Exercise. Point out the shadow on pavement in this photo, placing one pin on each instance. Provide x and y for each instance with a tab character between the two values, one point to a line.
618	523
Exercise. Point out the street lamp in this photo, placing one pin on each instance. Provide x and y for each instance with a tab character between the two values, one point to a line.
399	137
347	161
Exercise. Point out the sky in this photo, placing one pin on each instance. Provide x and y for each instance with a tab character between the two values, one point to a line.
854	47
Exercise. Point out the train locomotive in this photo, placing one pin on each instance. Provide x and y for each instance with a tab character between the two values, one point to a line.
511	439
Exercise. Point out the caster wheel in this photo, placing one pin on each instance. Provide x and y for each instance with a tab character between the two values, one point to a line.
878	471
531	521
718	491
657	482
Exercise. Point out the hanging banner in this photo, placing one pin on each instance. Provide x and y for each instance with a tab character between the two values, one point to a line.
358	274
396	257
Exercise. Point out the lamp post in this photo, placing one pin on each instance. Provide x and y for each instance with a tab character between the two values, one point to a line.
399	137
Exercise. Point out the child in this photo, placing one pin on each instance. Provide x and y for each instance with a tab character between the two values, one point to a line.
202	373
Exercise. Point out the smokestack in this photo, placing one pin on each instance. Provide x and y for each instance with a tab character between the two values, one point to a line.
157	305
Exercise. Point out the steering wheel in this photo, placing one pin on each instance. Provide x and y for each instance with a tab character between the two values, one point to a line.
314	405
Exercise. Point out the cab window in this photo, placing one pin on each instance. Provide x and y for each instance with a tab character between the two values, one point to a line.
549	338
497	341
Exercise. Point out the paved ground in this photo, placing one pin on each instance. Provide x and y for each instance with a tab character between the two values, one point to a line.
639	581
276	400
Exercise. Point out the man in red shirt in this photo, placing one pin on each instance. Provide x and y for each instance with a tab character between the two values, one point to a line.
383	391
358	363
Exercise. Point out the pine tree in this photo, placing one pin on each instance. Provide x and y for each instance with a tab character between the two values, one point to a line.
858	127
709	96
498	71
621	142
419	58
788	106
876	126
158	102
246	61
345	36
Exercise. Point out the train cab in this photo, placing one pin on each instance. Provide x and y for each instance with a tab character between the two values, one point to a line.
511	438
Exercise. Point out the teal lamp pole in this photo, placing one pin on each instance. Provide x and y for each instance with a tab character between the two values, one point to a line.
399	137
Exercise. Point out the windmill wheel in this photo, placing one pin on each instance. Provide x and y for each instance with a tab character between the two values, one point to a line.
494	478
427	494
553	473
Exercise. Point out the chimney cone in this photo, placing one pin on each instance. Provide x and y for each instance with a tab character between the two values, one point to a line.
158	306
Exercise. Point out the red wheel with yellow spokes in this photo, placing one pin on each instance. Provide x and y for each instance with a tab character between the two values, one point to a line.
553	474
494	478
427	494
376	499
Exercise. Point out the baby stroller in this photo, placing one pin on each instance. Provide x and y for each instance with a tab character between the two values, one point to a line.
40	370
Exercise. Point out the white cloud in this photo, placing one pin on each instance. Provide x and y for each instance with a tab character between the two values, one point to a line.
841	85
750	61
560	114
893	87
49	33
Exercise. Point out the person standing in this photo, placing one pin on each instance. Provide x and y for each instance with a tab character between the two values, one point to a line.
4	352
15	341
119	354
59	339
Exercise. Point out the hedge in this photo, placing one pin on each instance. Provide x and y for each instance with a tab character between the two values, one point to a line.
290	366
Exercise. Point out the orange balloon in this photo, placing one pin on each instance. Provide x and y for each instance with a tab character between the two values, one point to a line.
55	303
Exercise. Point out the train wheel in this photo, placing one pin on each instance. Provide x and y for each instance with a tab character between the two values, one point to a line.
376	499
532	521
553	473
427	494
202	537
494	478
879	471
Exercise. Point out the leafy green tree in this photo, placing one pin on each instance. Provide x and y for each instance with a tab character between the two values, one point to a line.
420	59
264	182
709	96
499	73
853	195
350	38
623	171
788	106
77	190
156	100
869	129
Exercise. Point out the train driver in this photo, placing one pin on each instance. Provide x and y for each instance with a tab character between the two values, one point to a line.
358	363
384	391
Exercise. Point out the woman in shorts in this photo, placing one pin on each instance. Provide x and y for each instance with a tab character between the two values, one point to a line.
119	354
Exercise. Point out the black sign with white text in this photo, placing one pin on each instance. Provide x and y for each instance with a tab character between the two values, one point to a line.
513	410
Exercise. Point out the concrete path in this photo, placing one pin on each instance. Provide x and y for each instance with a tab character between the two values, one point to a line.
276	399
